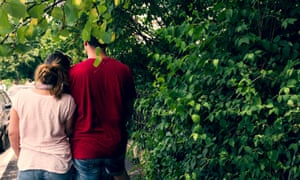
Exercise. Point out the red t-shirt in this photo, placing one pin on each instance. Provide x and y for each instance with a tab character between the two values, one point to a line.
101	94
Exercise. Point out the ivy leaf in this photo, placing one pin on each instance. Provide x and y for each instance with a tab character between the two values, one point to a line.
288	21
229	14
243	40
97	61
215	62
15	8
196	118
98	58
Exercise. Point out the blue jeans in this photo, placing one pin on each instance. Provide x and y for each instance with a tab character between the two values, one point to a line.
94	169
42	175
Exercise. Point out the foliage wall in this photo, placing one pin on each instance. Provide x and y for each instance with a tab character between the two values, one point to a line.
225	101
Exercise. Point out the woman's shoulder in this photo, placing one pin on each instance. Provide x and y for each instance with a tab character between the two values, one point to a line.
68	101
66	96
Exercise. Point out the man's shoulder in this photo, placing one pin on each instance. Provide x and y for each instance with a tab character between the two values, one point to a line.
116	62
80	65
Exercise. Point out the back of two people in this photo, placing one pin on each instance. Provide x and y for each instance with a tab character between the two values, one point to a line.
99	141
104	96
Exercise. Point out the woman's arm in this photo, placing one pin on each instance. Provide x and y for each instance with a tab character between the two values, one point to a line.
14	132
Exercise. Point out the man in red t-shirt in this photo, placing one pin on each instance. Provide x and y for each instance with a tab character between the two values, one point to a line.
104	95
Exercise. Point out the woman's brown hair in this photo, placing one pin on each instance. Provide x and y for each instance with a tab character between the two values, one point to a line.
52	76
64	61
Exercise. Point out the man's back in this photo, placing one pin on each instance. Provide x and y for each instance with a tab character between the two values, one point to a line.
101	94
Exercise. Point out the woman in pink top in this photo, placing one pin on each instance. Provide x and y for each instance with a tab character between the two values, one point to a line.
41	120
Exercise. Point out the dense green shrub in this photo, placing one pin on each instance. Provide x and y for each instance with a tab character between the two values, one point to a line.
225	102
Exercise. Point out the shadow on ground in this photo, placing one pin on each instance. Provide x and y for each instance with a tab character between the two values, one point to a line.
11	170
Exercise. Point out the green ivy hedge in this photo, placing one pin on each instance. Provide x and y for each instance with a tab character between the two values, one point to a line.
225	101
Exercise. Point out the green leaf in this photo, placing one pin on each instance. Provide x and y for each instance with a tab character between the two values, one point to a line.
243	40
107	37
294	146
196	118
197	128
290	103
70	13
86	32
126	4
215	62
242	28
292	83
22	48
97	61
5	26
229	14
104	37
117	3
98	58
4	50
30	32
273	155
288	21
285	90
37	11
276	39
102	9
15	8
286	51
57	13
63	34
249	56
21	34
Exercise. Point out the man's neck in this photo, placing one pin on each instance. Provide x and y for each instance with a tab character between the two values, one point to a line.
94	55
91	55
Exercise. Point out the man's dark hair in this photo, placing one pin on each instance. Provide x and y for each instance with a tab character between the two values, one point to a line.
58	57
95	43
